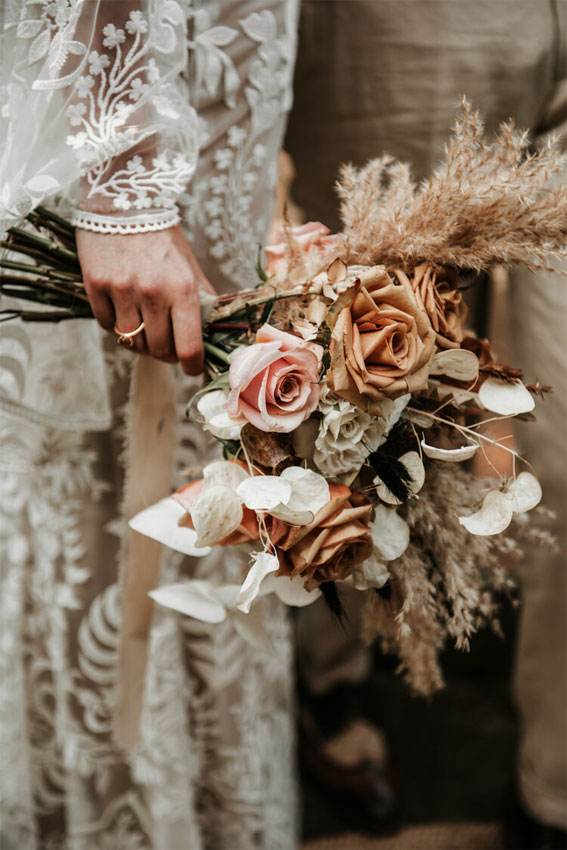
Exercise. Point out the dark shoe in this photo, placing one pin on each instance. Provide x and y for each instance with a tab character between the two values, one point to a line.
350	774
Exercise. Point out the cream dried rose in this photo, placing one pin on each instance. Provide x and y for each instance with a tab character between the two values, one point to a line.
382	341
347	434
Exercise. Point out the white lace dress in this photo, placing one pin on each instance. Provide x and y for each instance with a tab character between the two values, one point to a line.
129	115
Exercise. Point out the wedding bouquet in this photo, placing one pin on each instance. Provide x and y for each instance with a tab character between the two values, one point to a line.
350	400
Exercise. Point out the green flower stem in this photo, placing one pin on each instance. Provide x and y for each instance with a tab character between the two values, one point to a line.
256	302
216	352
48	246
43	212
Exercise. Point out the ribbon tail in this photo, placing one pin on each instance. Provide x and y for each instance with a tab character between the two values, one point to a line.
150	456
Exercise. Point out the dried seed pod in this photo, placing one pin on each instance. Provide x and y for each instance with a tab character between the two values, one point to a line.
267	449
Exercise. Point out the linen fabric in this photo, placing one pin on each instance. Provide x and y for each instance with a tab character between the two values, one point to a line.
386	77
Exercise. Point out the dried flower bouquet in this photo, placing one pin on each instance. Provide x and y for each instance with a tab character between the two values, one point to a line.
349	398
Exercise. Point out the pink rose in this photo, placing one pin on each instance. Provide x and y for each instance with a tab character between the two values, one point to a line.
312	236
275	382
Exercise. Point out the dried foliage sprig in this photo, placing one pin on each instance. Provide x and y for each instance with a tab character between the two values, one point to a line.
447	582
488	202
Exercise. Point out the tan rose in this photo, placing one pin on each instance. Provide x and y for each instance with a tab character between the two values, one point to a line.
437	293
330	547
382	340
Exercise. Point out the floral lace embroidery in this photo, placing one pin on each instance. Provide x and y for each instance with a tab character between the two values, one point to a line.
213	768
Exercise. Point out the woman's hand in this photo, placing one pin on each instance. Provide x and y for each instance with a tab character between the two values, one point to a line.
149	277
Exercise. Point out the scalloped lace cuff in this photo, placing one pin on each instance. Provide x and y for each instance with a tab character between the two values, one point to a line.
128	224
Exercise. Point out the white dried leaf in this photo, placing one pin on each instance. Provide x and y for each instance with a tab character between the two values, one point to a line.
416	469
196	598
290	591
505	398
525	491
456	363
292	517
372	573
451	455
459	396
493	517
211	406
309	490
419	419
216	513
264	564
264	492
161	523
390	533
223	473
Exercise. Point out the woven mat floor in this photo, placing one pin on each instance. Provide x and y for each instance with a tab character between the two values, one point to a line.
438	836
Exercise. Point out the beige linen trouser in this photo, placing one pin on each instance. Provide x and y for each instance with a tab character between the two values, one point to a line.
376	76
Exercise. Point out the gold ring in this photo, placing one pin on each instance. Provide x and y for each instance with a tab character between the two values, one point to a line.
127	337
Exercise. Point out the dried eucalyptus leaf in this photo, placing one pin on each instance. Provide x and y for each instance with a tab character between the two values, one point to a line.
525	491
390	533
505	398
493	517
456	363
450	455
414	465
216	514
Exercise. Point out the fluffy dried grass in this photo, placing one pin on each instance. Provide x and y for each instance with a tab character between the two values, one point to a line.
487	202
446	584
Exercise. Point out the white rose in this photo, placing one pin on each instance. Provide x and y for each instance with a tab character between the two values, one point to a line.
347	434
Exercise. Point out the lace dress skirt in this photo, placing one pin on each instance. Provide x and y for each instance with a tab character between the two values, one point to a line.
214	765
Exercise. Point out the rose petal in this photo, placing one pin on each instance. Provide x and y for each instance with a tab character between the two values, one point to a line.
525	491
505	398
161	523
493	517
390	533
196	598
456	363
450	455
216	514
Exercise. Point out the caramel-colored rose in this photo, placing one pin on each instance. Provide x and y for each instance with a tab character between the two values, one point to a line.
330	547
437	293
382	340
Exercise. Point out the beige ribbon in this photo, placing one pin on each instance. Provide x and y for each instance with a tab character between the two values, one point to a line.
150	454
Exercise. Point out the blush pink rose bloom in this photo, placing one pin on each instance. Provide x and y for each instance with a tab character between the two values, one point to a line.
274	383
310	237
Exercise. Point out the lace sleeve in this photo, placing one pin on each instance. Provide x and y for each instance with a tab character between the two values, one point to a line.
95	111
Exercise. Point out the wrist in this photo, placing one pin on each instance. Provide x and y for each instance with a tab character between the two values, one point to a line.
124	224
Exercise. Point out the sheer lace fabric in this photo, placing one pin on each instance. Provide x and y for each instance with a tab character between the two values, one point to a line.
213	768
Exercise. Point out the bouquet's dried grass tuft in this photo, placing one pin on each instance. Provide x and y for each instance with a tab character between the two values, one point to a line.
487	202
446	582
